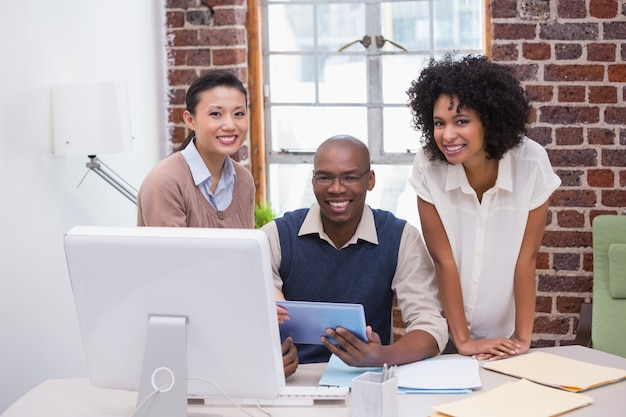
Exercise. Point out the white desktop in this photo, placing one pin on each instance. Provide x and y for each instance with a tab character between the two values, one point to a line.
176	312
76	397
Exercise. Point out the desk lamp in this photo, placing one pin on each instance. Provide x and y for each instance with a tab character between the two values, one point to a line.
91	119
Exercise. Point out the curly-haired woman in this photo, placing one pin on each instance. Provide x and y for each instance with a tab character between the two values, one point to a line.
482	195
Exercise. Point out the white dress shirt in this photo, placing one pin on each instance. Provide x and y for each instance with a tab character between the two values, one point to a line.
486	236
223	195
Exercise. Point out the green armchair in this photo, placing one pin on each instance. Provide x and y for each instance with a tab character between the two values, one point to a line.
608	323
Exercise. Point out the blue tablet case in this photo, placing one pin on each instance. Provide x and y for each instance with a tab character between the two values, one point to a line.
309	320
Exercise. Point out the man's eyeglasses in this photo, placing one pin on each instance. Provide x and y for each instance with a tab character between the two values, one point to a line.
344	179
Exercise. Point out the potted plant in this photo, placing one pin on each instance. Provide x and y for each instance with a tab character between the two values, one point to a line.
263	214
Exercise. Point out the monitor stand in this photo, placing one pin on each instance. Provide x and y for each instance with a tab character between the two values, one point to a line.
164	369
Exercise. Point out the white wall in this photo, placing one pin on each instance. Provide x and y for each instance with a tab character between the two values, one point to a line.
42	43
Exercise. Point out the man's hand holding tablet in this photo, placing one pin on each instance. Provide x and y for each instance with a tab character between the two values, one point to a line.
308	321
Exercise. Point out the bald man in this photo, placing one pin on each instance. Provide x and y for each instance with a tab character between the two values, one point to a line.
341	250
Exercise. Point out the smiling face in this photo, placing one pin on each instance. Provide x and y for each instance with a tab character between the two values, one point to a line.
459	135
342	205
220	122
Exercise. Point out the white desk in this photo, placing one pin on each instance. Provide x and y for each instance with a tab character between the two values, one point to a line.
77	398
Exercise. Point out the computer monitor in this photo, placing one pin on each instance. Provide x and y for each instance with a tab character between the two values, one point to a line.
176	312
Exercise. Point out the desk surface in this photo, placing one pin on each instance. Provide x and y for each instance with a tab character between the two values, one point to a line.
77	398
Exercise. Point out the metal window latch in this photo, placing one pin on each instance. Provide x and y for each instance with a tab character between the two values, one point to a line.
380	42
366	41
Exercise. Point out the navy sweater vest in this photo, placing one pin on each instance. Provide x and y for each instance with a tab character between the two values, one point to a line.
312	270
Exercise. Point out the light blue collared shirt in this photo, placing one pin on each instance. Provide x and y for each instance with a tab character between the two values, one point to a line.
201	175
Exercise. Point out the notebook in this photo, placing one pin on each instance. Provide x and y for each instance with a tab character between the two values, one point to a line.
308	320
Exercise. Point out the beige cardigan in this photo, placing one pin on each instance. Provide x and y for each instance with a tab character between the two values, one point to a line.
169	197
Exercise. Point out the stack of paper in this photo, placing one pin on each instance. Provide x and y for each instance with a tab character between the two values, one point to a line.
515	399
435	375
557	371
439	375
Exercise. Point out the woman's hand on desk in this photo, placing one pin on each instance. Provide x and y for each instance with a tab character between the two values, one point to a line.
522	346
490	349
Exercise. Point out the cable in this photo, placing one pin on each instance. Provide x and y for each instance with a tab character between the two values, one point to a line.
261	409
169	371
145	400
164	388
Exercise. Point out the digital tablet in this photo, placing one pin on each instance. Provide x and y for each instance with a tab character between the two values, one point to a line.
309	320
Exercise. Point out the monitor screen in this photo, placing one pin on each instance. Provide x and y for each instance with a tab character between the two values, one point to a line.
192	308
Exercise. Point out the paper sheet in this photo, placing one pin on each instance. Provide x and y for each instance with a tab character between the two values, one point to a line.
515	399
339	374
557	371
440	373
435	375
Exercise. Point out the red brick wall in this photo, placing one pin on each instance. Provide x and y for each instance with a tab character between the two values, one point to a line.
201	35
570	56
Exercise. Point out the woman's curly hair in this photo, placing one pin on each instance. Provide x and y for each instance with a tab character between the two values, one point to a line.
492	90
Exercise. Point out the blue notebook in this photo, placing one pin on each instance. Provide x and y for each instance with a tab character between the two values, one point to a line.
309	320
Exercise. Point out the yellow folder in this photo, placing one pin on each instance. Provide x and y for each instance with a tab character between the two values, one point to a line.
522	398
557	371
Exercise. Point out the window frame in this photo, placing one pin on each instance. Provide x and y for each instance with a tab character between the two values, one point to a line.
260	142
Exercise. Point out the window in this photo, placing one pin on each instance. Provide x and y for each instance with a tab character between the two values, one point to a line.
333	66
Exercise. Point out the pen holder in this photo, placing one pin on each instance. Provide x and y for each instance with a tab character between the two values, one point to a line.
373	397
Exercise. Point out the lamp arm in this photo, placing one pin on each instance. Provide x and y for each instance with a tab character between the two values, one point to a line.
110	176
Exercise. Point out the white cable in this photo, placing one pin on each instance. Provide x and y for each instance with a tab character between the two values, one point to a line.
167	370
230	399
157	389
166	388
145	400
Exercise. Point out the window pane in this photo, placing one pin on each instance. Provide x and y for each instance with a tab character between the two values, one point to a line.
407	23
399	136
340	24
290	188
343	79
292	79
290	27
398	72
304	128
392	192
458	25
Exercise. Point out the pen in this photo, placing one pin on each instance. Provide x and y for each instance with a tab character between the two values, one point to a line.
384	375
394	370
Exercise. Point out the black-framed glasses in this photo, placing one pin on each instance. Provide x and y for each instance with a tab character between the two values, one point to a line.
344	179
